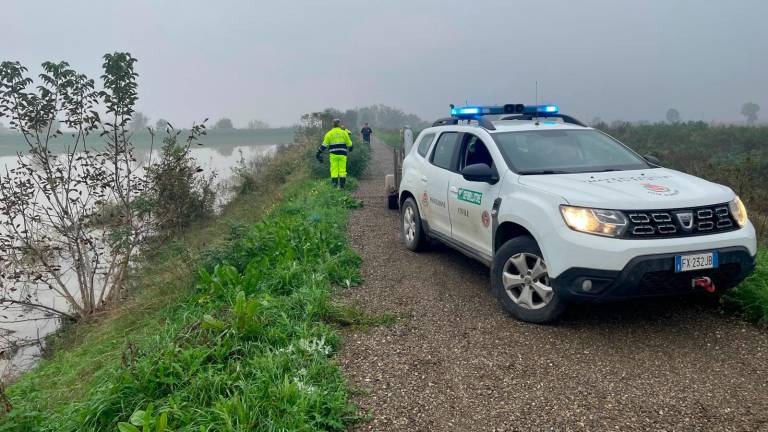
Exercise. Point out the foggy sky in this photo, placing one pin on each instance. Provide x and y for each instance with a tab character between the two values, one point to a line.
275	60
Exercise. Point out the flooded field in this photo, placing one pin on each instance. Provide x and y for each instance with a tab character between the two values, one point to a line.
21	327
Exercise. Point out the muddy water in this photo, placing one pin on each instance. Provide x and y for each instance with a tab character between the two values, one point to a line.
20	326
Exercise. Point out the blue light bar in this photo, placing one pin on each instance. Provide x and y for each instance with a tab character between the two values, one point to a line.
474	112
465	111
541	110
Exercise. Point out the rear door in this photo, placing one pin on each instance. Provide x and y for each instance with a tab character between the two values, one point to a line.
436	177
470	202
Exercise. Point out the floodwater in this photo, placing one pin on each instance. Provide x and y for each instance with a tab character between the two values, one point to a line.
23	327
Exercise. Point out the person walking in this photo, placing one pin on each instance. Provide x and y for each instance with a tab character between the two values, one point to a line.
338	144
366	132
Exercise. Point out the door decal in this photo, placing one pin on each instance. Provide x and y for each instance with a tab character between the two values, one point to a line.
470	196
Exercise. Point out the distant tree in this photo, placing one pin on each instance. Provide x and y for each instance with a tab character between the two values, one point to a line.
596	121
382	116
258	124
161	125
750	110
350	119
673	116
224	123
139	122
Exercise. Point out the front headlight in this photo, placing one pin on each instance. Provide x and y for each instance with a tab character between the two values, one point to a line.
608	223
738	211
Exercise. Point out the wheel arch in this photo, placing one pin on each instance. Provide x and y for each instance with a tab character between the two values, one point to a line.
507	231
404	195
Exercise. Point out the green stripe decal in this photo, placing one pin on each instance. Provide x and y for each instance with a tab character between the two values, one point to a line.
470	196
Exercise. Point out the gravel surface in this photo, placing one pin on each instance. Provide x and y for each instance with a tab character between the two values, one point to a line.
455	361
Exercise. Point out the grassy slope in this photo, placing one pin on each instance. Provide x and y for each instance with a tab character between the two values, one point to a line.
245	349
750	298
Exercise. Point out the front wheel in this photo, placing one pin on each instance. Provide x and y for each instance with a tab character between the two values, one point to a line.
521	283
411	230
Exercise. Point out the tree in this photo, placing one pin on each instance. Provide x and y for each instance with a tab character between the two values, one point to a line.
48	237
223	123
138	122
161	125
750	110
673	116
258	124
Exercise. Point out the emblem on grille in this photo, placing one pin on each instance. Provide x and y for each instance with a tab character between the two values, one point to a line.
685	219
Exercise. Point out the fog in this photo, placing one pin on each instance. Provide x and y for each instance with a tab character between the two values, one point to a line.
275	60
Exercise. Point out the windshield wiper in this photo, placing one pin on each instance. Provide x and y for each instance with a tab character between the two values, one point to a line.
538	172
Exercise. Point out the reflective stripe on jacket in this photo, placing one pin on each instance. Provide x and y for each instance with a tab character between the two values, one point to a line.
337	141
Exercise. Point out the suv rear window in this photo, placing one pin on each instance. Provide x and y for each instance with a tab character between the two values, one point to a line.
445	148
424	144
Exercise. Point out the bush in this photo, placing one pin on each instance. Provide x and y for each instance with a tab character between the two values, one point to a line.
179	192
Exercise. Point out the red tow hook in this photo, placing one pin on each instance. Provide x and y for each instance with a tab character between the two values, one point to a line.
704	282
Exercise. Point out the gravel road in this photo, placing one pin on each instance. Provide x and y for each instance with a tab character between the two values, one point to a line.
455	361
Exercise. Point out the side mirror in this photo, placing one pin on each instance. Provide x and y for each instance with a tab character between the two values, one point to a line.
480	173
652	159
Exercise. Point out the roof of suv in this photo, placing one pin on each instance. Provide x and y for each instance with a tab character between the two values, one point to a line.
516	126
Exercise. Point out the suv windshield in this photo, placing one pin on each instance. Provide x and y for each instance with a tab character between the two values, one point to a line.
565	151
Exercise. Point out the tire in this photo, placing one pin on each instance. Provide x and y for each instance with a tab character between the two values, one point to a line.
411	232
525	292
392	201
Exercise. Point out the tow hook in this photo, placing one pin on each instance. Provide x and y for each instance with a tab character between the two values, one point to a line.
704	282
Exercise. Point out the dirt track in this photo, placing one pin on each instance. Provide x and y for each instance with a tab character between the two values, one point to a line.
456	361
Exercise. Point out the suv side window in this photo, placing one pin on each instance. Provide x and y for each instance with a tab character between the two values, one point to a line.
424	144
474	151
443	154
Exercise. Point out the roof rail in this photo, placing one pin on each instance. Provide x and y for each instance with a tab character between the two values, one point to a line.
481	121
565	118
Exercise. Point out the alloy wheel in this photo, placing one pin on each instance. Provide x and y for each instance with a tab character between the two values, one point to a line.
526	281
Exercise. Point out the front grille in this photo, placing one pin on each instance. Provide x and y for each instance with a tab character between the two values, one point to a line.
648	224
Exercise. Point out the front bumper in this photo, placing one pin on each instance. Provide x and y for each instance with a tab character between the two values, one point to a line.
651	275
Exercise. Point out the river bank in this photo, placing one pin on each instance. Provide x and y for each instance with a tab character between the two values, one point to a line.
255	281
22	333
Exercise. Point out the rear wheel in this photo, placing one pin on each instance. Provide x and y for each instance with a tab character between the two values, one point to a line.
521	283
411	230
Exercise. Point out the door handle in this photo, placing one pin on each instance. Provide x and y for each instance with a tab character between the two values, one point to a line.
454	189
424	179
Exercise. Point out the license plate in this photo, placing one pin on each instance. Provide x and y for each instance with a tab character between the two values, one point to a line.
684	263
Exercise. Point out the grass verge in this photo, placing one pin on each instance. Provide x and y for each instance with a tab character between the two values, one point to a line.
238	335
750	298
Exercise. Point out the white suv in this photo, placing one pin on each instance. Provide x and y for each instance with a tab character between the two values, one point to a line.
562	212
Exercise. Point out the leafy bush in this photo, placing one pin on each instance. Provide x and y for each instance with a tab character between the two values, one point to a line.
179	193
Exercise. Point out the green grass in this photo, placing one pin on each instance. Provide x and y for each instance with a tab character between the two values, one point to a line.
390	137
222	335
750	298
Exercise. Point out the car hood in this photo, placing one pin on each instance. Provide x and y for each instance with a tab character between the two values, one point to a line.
657	188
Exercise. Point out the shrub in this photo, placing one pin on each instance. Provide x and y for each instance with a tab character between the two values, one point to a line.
179	192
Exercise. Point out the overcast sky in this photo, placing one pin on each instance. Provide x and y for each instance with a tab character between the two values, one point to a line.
274	60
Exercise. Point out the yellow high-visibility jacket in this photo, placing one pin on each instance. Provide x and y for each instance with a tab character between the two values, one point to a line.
336	141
